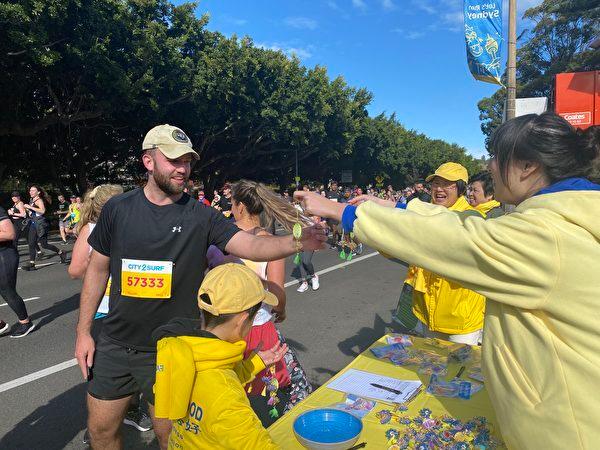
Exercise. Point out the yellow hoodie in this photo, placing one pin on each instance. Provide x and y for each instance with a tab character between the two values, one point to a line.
199	385
538	268
443	305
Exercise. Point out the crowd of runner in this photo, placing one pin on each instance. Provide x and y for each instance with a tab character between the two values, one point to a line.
177	325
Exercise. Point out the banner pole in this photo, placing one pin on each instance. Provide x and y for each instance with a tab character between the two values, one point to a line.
512	60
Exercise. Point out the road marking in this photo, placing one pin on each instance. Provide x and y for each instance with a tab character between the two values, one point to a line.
25	300
73	362
37	375
337	266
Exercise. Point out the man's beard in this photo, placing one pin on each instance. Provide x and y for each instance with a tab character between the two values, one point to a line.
163	181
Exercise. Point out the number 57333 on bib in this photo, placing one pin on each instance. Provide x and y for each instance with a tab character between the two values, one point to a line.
146	279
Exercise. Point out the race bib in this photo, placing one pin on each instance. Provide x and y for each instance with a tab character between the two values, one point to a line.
146	279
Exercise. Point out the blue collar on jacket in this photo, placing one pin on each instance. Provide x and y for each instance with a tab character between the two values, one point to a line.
570	184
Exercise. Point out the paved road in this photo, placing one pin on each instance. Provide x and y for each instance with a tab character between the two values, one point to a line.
328	327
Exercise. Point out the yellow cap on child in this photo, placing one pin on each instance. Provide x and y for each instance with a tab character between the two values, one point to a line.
232	288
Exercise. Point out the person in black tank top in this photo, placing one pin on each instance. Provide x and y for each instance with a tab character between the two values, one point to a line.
18	215
38	228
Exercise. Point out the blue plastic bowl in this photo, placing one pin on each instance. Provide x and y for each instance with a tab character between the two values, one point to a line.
327	429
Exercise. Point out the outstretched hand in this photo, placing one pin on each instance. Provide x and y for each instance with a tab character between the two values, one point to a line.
371	198
274	354
317	205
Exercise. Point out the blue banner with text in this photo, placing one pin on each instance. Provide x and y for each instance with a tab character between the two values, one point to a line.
483	36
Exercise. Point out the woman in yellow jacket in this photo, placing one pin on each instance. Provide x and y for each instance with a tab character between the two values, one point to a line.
537	267
444	308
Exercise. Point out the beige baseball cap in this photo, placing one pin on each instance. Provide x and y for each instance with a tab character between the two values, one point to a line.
170	140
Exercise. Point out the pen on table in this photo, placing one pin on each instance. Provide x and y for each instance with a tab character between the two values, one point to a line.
460	372
385	388
357	446
413	395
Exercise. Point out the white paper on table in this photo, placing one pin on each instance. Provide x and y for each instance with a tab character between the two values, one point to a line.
358	382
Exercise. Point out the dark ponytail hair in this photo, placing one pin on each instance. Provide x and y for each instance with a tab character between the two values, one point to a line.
42	194
548	139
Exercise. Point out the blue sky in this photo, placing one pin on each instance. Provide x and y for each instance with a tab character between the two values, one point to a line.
409	53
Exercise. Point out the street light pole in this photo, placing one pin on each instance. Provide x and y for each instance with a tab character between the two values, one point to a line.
296	177
512	60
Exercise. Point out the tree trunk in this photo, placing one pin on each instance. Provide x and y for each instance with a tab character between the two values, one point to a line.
81	179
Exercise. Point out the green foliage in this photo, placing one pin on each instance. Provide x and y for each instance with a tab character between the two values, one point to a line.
558	42
83	80
402	156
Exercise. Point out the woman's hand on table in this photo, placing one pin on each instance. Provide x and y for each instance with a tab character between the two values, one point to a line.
317	205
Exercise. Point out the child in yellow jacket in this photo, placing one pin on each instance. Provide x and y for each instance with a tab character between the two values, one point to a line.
200	373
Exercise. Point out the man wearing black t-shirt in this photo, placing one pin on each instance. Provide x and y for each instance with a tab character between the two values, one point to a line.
420	193
333	193
225	202
62	212
152	242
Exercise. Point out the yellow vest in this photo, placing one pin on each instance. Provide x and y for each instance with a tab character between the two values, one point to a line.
443	305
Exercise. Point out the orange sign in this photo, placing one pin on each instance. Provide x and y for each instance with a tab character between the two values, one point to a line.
578	118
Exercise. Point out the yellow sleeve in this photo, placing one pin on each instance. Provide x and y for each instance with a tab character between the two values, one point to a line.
175	374
248	368
512	259
238	427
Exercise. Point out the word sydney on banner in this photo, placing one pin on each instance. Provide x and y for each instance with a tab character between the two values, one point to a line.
483	35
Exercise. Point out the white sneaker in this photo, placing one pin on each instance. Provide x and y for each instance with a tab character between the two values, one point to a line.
315	282
303	287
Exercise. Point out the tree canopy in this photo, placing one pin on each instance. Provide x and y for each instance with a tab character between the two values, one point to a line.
559	41
83	80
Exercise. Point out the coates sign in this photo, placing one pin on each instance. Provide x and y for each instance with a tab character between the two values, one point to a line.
578	118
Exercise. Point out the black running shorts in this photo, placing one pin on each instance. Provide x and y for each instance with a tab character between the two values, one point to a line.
120	371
